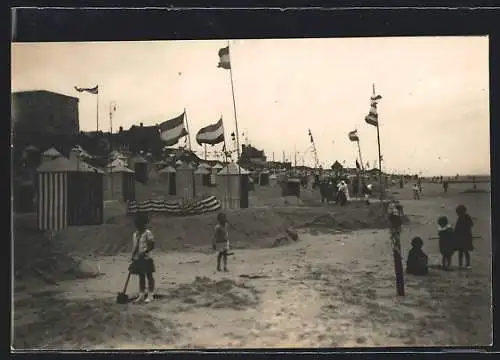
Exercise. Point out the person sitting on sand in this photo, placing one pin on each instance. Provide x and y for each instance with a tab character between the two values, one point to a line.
417	261
221	240
463	236
142	262
446	241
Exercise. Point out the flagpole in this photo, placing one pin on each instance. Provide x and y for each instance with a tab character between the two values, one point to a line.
97	108
187	128
234	102
228	185
395	233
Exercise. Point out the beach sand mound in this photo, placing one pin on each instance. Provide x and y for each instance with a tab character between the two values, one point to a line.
249	228
37	254
76	324
223	294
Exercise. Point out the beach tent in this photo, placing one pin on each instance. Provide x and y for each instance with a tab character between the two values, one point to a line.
140	167
264	178
201	177
119	183
168	175
233	182
213	176
69	192
184	182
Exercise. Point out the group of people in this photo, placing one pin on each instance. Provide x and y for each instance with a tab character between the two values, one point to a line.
142	264
451	240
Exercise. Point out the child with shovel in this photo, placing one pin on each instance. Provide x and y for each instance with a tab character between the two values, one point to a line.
142	263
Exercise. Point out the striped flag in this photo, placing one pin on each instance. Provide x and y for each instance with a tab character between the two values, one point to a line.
171	131
353	135
310	136
224	61
372	117
211	134
94	90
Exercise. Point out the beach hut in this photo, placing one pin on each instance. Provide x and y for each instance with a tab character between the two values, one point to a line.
233	182
119	183
184	182
264	178
167	174
140	167
69	192
50	155
213	176
178	163
273	180
201	177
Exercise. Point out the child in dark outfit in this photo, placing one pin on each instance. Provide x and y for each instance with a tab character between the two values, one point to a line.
463	236
142	262
417	261
221	240
446	241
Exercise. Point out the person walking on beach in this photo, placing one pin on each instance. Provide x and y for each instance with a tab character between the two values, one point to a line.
142	262
463	236
445	186
221	241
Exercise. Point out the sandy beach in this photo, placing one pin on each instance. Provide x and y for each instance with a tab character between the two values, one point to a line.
334	287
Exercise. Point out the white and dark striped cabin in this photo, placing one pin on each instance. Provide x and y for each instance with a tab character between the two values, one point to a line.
69	193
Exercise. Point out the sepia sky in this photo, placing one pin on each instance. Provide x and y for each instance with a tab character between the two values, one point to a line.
434	115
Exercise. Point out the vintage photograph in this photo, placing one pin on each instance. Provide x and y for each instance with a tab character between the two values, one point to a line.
257	193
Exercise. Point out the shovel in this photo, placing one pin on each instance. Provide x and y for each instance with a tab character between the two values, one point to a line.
122	297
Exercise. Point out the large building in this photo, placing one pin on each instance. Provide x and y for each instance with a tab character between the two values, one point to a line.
44	112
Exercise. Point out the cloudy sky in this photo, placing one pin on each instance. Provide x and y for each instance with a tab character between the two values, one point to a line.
434	115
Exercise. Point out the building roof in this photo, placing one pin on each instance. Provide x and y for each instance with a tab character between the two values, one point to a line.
42	92
139	159
184	166
62	164
232	169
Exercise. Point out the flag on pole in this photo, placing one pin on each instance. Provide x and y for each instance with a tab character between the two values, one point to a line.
171	131
94	90
353	135
211	134
372	117
224	61
357	165
310	136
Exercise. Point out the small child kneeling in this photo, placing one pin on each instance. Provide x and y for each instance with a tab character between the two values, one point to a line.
417	261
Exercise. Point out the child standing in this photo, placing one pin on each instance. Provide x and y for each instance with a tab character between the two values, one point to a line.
221	240
142	262
417	261
446	241
463	236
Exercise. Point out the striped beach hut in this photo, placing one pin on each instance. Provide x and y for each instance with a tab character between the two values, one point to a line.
50	155
167	174
233	183
69	192
213	176
184	182
140	167
119	183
